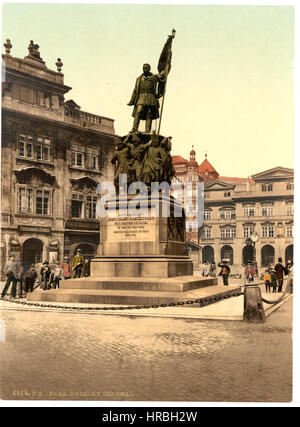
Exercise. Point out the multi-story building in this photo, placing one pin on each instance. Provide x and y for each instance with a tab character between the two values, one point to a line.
236	208
53	157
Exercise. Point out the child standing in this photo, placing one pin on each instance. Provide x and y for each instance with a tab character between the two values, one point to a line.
267	280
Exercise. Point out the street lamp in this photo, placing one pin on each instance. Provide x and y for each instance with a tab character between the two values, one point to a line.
254	239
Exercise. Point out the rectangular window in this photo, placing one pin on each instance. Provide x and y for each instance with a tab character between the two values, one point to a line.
207	214
43	148
289	231
248	231
76	209
290	210
92	162
290	186
267	187
228	214
91	203
43	99
25	145
206	233
249	211
267	211
268	231
25	200
227	194
228	233
77	159
42	202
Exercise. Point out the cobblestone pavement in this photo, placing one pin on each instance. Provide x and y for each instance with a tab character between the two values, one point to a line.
65	356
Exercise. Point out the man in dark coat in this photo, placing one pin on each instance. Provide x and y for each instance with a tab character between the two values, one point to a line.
145	97
30	278
279	268
224	272
45	275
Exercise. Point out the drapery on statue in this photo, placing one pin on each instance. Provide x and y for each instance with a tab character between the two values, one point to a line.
149	88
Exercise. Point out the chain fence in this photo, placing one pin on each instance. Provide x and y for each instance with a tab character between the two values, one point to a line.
201	301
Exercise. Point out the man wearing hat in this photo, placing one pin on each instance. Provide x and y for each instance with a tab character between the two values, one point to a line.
13	271
77	263
224	272
280	270
66	268
30	278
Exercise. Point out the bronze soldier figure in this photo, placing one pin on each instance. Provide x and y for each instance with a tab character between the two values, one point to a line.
145	97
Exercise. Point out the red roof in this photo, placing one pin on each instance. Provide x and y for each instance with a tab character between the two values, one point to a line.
206	167
178	159
236	179
192	163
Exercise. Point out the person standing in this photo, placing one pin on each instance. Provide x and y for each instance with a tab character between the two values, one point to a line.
57	274
30	278
45	276
273	280
205	270
13	272
267	280
77	263
86	267
224	272
249	272
290	270
66	268
212	269
279	268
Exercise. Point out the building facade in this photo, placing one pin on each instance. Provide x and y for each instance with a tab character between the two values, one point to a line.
53	157
236	208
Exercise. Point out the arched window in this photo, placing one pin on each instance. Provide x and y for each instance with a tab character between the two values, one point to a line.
267	256
289	253
227	253
208	254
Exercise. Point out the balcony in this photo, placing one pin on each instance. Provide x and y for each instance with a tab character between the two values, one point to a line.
88	120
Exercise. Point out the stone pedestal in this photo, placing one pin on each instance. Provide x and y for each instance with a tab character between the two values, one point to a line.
141	259
151	245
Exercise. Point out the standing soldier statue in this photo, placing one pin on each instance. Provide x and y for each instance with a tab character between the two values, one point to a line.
149	88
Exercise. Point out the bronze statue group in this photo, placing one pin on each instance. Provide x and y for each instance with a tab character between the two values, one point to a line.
143	158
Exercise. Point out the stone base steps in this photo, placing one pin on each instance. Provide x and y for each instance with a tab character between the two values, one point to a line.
171	284
126	297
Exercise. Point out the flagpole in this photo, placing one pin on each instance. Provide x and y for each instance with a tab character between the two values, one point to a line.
162	106
163	100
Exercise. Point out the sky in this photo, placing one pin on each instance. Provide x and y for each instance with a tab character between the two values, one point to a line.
230	91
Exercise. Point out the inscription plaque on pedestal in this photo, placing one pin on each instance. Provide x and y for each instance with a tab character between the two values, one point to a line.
131	229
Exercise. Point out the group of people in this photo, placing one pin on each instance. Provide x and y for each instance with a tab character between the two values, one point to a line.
274	277
211	270
49	275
